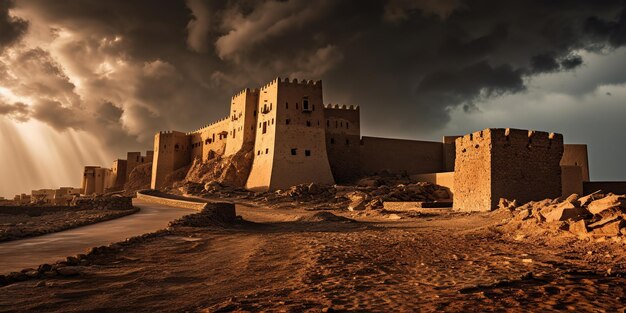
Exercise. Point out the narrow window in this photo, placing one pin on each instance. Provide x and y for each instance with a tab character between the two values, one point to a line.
305	104
347	141
293	151
296	105
264	127
308	123
254	114
286	105
307	152
287	122
267	150
258	152
332	141
327	123
347	125
318	122
272	121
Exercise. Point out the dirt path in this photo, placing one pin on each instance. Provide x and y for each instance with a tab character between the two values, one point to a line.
279	263
19	254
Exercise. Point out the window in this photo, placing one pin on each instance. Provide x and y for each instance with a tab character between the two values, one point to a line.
327	123
296	105
258	152
294	151
308	123
332	141
347	141
347	125
264	127
286	105
287	121
176	147
254	113
307	152
272	121
305	104
267	150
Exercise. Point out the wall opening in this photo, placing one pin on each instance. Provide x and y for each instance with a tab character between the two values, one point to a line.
307	152
294	151
264	127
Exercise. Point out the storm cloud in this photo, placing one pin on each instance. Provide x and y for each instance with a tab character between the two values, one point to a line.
126	69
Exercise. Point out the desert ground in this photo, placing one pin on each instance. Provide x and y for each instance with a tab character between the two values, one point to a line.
298	260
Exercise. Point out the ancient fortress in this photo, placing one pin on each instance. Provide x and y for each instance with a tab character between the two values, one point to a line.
294	138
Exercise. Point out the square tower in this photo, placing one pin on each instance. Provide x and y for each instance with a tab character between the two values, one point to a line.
242	119
290	141
506	163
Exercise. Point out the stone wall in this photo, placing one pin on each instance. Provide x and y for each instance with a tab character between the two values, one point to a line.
104	203
400	156
343	135
506	163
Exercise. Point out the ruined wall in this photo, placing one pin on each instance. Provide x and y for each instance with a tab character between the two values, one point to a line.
242	120
576	154
134	159
172	150
343	134
506	163
400	156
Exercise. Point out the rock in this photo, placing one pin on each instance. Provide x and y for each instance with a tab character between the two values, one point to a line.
70	270
72	260
394	217
3	280
573	199
41	284
507	204
357	200
32	274
328	310
368	182
578	228
608	202
565	211
608	229
17	276
314	189
523	214
441	194
212	186
584	201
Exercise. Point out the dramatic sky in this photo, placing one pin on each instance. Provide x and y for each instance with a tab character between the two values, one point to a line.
82	82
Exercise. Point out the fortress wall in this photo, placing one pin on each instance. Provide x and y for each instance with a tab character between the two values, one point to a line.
400	156
506	163
134	159
472	172
88	185
172	151
616	187
119	172
242	120
260	173
525	165
571	180
576	154
302	104
210	140
343	135
449	152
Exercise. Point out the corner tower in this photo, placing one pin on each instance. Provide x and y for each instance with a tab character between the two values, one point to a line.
242	119
290	141
172	150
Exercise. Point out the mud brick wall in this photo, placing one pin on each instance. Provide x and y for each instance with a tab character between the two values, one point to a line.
506	163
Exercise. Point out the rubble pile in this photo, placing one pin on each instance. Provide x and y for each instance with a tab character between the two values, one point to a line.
229	171
593	216
138	179
369	193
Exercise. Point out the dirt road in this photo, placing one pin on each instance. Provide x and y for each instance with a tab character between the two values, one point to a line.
286	261
19	254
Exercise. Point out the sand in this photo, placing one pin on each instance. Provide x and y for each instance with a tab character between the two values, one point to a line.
293	261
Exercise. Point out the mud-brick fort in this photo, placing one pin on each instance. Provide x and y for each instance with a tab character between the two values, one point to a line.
292	138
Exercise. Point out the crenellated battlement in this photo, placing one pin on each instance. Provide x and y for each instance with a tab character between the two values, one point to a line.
293	83
341	107
203	128
245	92
510	137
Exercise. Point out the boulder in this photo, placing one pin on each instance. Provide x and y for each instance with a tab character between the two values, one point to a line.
369	182
443	194
578	228
585	200
357	200
212	186
507	204
573	199
611	228
565	211
314	189
608	202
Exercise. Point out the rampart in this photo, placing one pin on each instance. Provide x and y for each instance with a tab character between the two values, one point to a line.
506	163
400	156
343	135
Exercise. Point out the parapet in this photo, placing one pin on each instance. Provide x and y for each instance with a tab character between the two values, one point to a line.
341	107
510	137
294	82
245	92
199	130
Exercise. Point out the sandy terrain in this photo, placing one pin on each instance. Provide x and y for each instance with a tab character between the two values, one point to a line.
291	260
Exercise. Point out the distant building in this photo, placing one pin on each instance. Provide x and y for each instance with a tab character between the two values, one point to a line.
97	180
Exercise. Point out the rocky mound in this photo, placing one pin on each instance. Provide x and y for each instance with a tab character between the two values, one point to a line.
229	171
214	214
138	179
592	216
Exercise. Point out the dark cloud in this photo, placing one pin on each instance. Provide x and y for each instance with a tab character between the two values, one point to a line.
17	111
130	68
11	28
